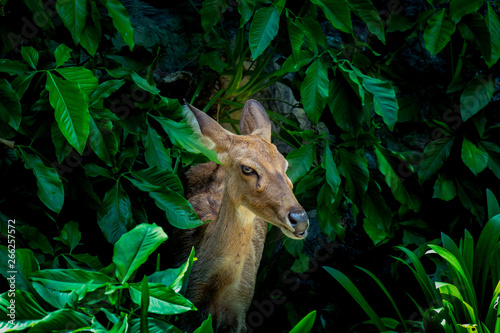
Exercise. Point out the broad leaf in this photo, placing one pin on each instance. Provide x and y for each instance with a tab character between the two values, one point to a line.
211	13
25	316
162	300
476	95
337	12
154	179
305	324
155	152
385	102
206	326
30	55
62	54
392	165
103	140
296	36
134	248
121	21
10	106
117	214
20	263
90	39
71	110
369	14
105	90
21	83
85	79
355	171
73	14
493	156
12	67
493	25
433	157
50	187
475	159
264	27
246	9
444	189
378	216
178	210
332	173
70	235
459	8
438	32
213	60
71	279
473	28
300	161
58	321
175	278
314	90
346	114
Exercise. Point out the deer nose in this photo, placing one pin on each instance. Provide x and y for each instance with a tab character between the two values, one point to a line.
299	221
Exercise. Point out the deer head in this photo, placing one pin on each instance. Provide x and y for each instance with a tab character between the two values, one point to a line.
255	172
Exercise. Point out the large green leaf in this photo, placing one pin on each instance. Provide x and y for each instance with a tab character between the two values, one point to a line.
19	263
475	159
296	36
73	14
155	325
117	213
378	217
433	157
105	90
246	9
459	8
103	140
369	14
61	320
346	114
182	135
444	189
153	179
90	39
473	28
85	79
134	248
390	163
493	25
50	187
12	67
385	102
314	90
355	170
121	21
332	173
25	316
155	152
264	27
476	95
62	54
300	161
22	82
162	300
211	13
30	55
483	255
305	324
493	156
70	235
206	326
178	210
438	32
71	110
70	279
10	107
337	12
175	278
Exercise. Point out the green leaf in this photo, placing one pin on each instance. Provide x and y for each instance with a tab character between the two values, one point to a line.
346	114
85	79
58	321
433	158
154	179
438	32
50	187
175	278
493	207
103	140
71	279
10	106
12	67
332	173
300	161
246	9
25	316
493	156
385	102
264	28
30	55
314	90
105	90
206	326
213	60
71	110
70	235
134	248
305	324
121	21
493	25
476	95
117	213
155	152
378	218
296	36
444	189
62	54
390	163
182	135
337	12
473	28
355	171
35	239
178	210
18	262
162	300
475	159
90	39
483	255
211	13
459	8
21	83
369	14
73	14
358	297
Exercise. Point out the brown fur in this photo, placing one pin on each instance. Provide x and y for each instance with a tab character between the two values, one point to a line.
229	248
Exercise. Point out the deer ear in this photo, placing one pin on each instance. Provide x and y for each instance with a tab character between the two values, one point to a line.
211	134
255	121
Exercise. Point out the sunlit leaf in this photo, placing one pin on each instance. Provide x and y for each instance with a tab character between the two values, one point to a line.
162	300
305	324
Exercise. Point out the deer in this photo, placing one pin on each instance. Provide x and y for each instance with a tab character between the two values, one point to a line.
238	197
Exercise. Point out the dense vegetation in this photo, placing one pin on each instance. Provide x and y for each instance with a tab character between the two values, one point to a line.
399	159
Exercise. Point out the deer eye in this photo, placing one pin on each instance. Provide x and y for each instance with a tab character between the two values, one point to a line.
247	170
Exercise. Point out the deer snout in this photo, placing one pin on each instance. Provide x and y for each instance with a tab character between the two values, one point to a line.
299	221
